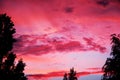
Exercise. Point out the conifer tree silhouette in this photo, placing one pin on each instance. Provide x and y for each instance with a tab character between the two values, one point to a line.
111	67
65	77
71	75
8	69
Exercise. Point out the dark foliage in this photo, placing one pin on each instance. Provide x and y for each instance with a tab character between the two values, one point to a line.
71	75
111	67
65	76
8	69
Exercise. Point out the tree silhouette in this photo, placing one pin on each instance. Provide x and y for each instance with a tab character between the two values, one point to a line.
65	77
71	75
111	67
8	69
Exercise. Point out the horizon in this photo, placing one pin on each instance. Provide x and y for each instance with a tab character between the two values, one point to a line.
80	77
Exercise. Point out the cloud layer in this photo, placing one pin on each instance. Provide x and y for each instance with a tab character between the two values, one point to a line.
37	45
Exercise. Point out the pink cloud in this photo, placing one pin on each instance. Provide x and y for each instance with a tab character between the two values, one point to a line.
70	46
38	45
60	74
73	19
38	50
94	46
38	21
95	69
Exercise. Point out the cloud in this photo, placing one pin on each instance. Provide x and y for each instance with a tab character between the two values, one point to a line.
33	18
94	69
103	2
27	44
70	46
60	74
94	46
37	50
39	45
107	2
69	9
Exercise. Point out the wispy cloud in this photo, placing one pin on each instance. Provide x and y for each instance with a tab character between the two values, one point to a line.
94	46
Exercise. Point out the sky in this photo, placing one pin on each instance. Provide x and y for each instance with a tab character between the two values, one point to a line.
56	35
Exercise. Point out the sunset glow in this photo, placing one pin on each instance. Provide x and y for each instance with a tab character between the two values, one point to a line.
55	35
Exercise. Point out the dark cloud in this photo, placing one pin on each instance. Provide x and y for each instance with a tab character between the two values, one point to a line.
1	4
69	9
103	2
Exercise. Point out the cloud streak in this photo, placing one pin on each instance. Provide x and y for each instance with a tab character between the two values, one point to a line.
60	74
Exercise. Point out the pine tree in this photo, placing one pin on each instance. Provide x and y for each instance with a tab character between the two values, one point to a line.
111	67
65	77
8	69
71	75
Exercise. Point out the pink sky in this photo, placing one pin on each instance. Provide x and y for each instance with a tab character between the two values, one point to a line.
55	35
